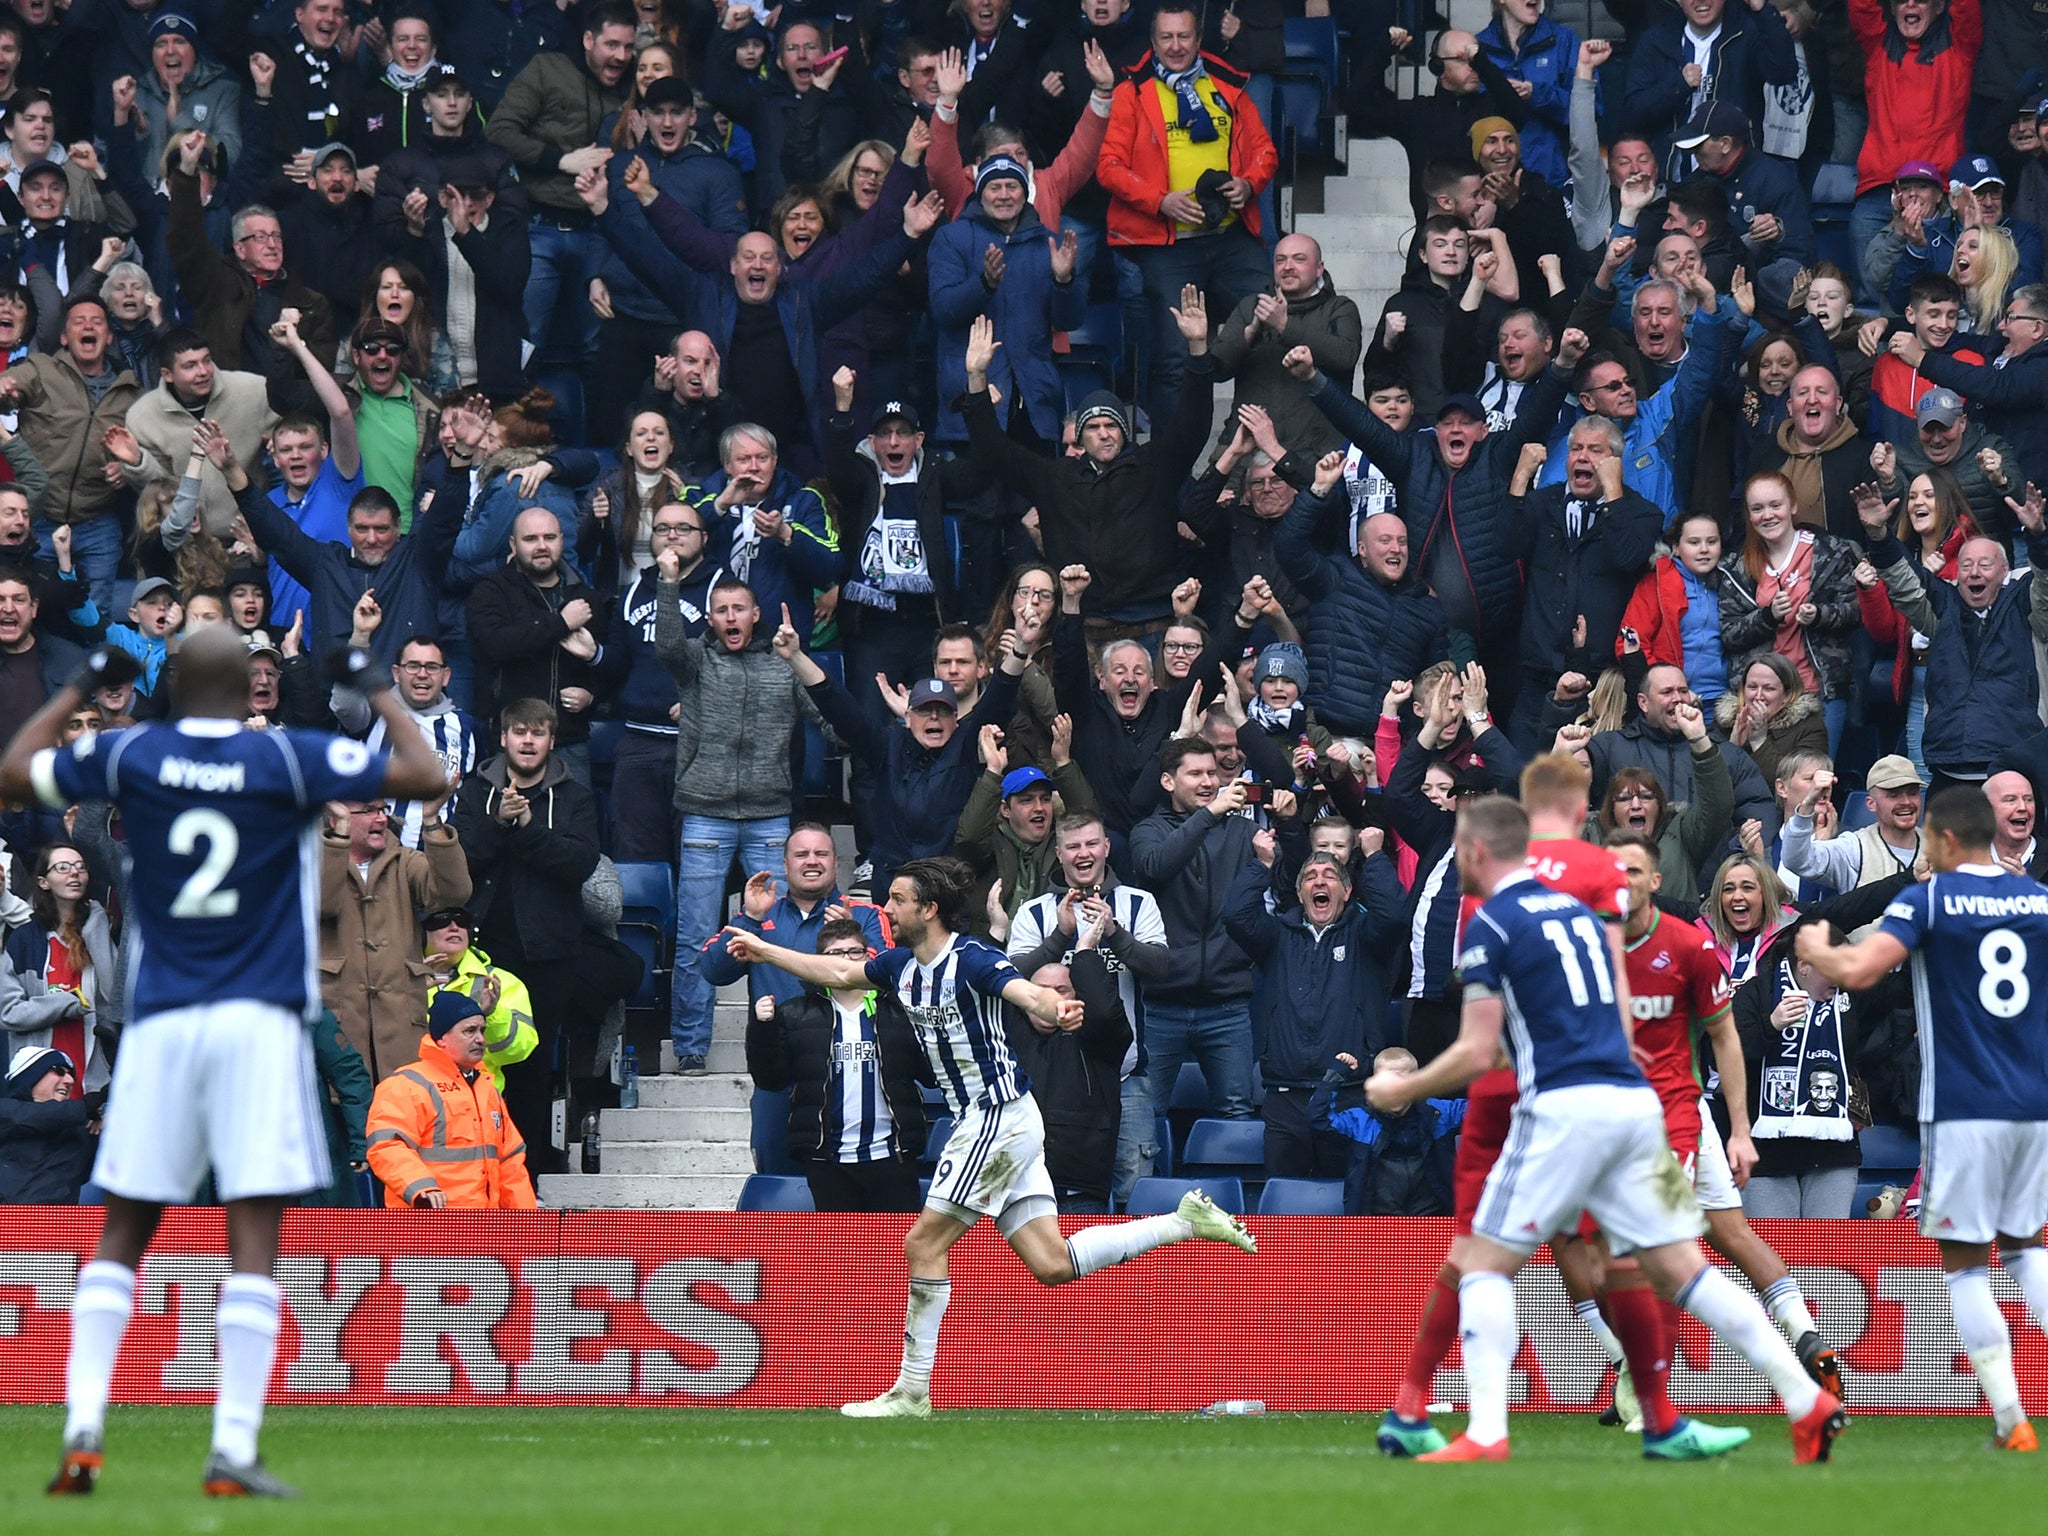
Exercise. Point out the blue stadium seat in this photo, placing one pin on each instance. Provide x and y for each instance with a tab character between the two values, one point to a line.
770	1131
605	736
1891	1149
1190	1088
1866	1191
1302	1197
647	925
1858	813
935	1142
1081	376
1155	1197
1312	50
1301	106
934	1097
775	1192
1162	1130
1222	1147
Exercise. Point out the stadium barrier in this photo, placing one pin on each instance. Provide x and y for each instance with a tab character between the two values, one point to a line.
775	1311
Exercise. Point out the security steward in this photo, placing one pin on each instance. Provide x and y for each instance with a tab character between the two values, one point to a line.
440	1135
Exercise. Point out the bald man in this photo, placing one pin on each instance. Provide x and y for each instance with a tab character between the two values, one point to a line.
686	388
2013	843
1300	308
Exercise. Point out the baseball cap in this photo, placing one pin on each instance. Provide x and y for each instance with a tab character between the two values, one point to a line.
1017	780
1975	171
897	410
1919	170
934	690
1892	772
1717	119
328	151
37	167
1467	403
258	643
149	586
445	77
377	329
1941	407
668	91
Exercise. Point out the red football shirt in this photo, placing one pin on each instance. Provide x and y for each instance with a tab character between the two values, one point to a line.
1677	985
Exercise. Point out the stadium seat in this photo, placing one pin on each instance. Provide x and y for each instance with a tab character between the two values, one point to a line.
1302	1197
1313	51
1890	1149
1155	1197
605	736
770	1131
1162	1130
1188	1102
1303	99
934	1097
1858	813
1867	1190
647	925
935	1142
1223	1147
775	1192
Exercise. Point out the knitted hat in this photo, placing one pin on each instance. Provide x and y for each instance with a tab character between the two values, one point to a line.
996	167
1282	659
1103	403
1485	128
448	1009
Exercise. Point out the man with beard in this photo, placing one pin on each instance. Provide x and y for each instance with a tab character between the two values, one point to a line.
330	224
536	634
1303	309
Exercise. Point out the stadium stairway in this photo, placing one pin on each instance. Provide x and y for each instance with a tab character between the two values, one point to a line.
687	1146
1364	225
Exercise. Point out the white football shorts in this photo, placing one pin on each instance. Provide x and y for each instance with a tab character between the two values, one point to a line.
1713	1185
994	1165
1979	1178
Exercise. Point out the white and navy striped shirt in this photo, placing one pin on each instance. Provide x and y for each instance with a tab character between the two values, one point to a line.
956	1007
858	1126
452	736
1137	913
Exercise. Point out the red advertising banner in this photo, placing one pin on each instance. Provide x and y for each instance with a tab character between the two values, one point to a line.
797	1311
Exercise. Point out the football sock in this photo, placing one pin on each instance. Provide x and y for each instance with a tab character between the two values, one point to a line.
921	1319
1589	1314
2029	1266
1490	1334
99	1317
1639	1321
1094	1248
1787	1306
1432	1342
246	1322
1982	1327
1731	1312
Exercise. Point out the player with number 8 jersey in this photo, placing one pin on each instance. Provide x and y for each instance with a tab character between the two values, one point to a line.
216	1068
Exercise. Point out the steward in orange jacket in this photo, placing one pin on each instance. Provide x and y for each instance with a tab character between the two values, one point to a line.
440	1136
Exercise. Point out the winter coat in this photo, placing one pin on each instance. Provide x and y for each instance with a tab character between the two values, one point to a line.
371	973
1460	533
1120	519
229	308
919	792
777	573
1361	634
407	583
554	106
1077	1078
1987	501
209	100
435	1127
1745	627
1753	50
46	1152
984	840
1984	699
1693	834
1590	577
1401	1164
509	1033
636	686
1189	861
796	138
30	1008
1024	308
163	426
699	179
64	426
2010	396
516	633
1547	58
1916	92
1417	353
739	708
1328	324
791	1050
1800	726
1134	168
1842	468
943	488
529	880
1316	993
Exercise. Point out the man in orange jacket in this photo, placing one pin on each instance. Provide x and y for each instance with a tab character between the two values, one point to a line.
440	1136
1184	161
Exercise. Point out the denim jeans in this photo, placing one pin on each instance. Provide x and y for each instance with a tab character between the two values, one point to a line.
1137	1139
708	846
562	259
1868	216
1219	1037
1226	266
96	551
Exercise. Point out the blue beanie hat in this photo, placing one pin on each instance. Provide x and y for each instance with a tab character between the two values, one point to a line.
448	1009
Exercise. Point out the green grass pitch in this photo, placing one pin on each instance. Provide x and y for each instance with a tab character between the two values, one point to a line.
396	1472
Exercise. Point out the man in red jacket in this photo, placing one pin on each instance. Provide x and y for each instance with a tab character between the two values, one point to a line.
1184	161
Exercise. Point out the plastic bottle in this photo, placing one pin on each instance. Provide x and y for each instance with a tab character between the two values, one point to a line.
629	1081
593	1145
1234	1407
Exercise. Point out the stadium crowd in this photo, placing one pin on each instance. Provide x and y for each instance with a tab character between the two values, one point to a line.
671	392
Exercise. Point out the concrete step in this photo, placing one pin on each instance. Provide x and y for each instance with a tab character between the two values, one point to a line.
1372	159
727	1056
726	1124
641	1191
719	1091
1366	205
681	1157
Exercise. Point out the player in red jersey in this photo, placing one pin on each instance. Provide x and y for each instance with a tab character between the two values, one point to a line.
1553	791
1679	991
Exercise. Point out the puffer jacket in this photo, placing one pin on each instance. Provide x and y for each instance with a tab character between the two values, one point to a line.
1745	627
554	106
732	751
1547	59
1077	1079
1188	859
792	1049
434	1127
1024	308
371	973
1361	633
65	426
1458	524
701	180
46	1152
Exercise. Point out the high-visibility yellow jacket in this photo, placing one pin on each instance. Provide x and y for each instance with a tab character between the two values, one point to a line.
509	1034
432	1128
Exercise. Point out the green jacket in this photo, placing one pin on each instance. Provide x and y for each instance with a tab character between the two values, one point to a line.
553	106
346	1103
509	1034
986	842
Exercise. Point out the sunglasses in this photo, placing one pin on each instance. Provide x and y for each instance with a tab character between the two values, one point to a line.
380	349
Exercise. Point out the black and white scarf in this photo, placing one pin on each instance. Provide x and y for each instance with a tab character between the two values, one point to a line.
1803	1093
